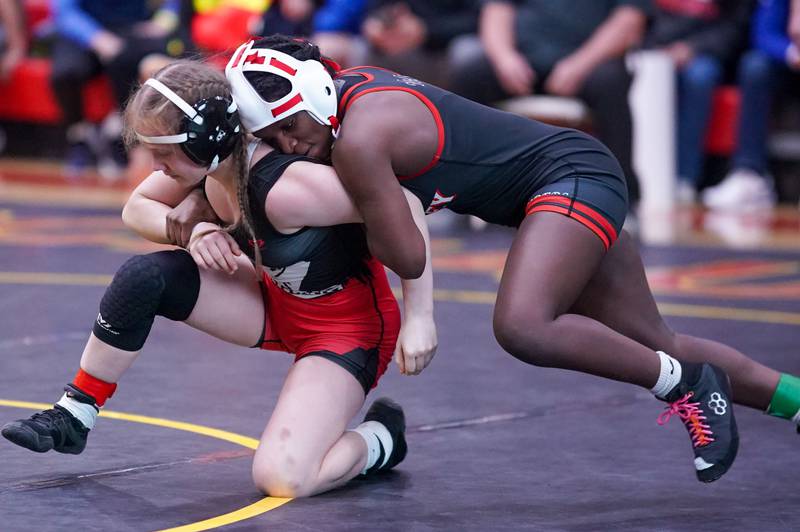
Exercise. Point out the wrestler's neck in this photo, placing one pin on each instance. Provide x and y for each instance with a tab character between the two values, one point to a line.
226	175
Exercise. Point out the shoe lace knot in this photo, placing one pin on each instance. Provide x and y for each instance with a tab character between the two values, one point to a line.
692	416
48	416
54	421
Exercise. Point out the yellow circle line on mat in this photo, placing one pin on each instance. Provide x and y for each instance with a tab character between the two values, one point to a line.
264	505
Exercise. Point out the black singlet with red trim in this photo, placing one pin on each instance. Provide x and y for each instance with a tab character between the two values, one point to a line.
489	163
311	262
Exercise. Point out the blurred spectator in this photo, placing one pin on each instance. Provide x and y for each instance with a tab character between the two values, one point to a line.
13	45
336	30
704	38
111	36
218	27
774	60
290	17
418	37
13	41
571	48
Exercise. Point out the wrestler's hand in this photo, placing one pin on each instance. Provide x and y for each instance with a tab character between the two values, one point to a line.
416	344
213	248
194	209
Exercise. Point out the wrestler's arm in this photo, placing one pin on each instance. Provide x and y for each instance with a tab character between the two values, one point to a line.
417	342
149	206
146	210
311	194
363	160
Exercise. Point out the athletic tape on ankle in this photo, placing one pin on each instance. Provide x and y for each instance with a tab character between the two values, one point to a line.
786	400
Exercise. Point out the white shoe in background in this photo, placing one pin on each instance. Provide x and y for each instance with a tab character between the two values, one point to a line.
685	193
111	159
741	189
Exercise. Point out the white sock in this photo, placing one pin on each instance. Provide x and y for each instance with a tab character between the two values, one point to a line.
86	414
375	435
668	377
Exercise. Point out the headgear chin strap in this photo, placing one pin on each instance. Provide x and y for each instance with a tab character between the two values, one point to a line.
209	129
312	88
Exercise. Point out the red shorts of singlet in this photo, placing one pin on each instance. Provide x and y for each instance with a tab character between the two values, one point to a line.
356	327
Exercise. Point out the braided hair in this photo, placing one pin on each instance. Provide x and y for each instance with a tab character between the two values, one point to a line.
149	110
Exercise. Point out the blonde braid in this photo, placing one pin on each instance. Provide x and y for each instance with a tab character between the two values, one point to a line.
148	110
243	197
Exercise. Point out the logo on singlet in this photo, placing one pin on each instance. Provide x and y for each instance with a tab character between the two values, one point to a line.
552	193
290	279
408	80
439	202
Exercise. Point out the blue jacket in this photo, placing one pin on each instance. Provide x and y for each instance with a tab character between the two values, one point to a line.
769	30
341	16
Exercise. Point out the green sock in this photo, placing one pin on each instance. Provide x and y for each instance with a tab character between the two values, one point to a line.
785	402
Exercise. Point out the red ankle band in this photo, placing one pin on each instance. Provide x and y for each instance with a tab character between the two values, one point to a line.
100	390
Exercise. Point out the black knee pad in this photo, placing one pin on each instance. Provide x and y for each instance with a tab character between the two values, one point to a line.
165	283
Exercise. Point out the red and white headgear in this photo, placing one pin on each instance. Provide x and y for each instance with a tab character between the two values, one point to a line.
312	88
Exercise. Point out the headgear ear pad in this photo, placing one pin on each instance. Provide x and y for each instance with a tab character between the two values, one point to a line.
209	128
214	137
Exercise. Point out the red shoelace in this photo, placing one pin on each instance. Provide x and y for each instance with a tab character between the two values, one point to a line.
692	416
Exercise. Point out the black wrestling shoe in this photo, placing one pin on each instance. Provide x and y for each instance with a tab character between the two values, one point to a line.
706	410
390	415
54	428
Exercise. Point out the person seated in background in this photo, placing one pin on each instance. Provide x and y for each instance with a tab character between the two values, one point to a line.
337	30
704	39
13	45
418	38
773	61
110	37
572	48
291	17
13	42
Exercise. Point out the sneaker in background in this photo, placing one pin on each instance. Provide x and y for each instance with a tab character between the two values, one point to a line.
742	189
112	161
80	156
685	192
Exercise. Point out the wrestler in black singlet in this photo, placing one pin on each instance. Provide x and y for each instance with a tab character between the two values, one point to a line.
494	164
324	294
311	262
